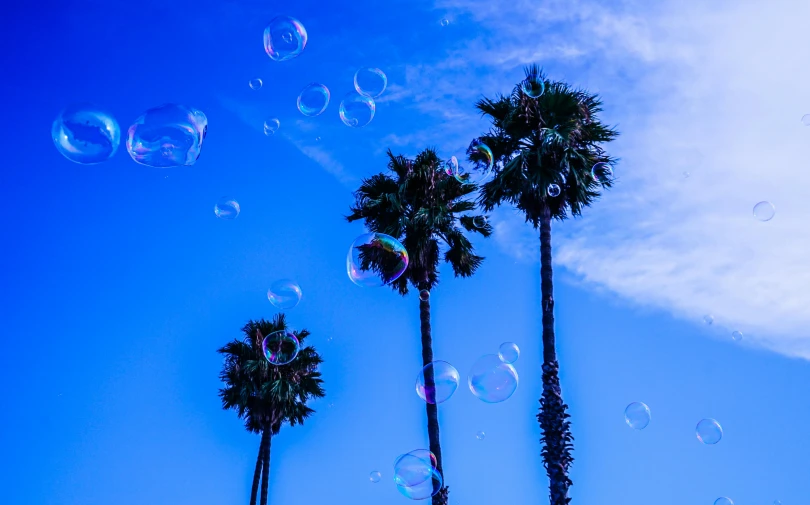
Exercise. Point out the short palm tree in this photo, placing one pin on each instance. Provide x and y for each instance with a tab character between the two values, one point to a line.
420	205
553	139
266	396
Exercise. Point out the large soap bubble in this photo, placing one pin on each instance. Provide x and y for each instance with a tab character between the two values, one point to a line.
313	99
482	161
357	110
86	134
492	380
280	347
370	82
284	38
376	259
533	86
284	294
509	352
170	135
445	382
416	476
637	415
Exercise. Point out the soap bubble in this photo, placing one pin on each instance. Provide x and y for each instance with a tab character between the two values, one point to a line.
370	82
86	134
444	22
480	435
170	135
637	415
723	501
686	175
374	476
451	167
601	172
357	110
554	190
533	86
764	211
280	347
736	335
509	352
482	160
271	126
376	259
708	319
424	295
227	208
709	431
445	380
284	38
284	294
416	475
255	84
806	120
480	221
492	380
313	99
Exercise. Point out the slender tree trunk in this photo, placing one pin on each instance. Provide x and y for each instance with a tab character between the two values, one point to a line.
553	418
266	440
254	490
430	388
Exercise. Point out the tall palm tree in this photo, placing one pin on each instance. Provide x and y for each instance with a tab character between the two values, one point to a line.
420	205
266	396
552	139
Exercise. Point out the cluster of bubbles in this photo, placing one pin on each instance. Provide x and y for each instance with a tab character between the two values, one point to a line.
416	476
376	259
637	416
284	294
227	208
280	347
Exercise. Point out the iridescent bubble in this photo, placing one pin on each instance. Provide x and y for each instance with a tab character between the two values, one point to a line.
723	500
416	476
255	84
424	295
480	435
357	110
313	99
370	82
170	135
451	167
764	211
271	126
444	22
509	352
284	38
227	208
280	347
480	221
86	134
709	431
736	335
445	380
284	294
533	86
492	380
482	161
637	415
376	259
806	120
374	476
708	319
601	172
554	190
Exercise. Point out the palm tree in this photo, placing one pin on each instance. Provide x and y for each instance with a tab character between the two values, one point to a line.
266	396
420	205
553	139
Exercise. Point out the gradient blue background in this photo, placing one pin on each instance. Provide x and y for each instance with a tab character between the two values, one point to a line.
119	284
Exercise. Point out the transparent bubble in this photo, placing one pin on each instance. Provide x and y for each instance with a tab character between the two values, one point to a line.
451	167
374	476
357	110
313	99
271	126
444	22
424	295
480	221
601	172
280	347
86	134
376	259
492	380
723	500
370	82
284	38
416	476
533	86
554	190
170	135
637	415
509	352
255	84
445	380
708	319
777	502
479	170
806	120
480	435
764	211
686	175
709	431
284	294
227	208
736	335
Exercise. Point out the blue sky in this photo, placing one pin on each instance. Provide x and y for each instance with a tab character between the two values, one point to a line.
120	283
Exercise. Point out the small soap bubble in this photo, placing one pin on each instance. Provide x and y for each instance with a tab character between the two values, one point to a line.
227	209
271	126
480	435
736	335
480	221
280	347
313	99
357	110
637	415
533	86
284	294
601	173
708	319
424	295
445	382
255	84
709	431
509	352
554	190
374	476
764	211
444	22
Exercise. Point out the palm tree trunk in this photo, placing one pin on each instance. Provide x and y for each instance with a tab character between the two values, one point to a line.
266	436
553	418
254	491
430	387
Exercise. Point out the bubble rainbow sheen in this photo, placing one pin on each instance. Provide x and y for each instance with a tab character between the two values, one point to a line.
492	380
170	135
280	347
445	380
284	38
313	99
376	259
416	476
86	134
